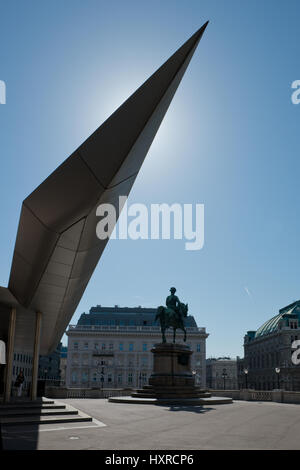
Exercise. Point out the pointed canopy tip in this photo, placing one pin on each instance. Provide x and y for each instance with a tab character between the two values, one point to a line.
195	38
202	29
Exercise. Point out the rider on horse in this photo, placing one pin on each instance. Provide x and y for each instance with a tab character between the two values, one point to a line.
172	316
173	303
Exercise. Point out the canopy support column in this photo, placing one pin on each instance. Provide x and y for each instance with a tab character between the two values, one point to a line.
10	354
36	353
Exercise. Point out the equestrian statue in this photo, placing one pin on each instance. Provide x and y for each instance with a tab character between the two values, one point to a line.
172	315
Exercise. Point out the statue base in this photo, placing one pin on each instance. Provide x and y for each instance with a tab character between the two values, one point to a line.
172	376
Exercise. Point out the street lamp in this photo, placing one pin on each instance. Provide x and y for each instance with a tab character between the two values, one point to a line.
45	384
224	375
277	370
246	376
100	370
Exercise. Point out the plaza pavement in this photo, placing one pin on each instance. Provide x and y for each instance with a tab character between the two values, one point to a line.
241	425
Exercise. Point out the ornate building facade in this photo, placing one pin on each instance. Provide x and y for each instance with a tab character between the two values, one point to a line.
269	350
221	373
111	347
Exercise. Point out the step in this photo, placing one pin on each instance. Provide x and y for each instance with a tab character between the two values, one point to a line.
23	404
170	395
55	412
149	388
32	407
173	401
27	415
171	390
17	421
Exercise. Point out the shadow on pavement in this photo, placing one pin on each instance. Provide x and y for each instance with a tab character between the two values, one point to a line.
195	409
14	438
15	433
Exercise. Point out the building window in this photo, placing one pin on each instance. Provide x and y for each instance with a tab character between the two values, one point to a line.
75	359
130	346
130	378
121	347
120	378
144	377
103	346
85	360
144	361
75	345
145	347
109	377
198	348
84	377
86	345
96	346
111	346
130	361
74	377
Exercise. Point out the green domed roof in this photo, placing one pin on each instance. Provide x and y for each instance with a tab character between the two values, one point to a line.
273	324
269	326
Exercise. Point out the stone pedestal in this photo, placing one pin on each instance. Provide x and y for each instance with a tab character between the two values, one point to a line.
172	376
171	366
171	382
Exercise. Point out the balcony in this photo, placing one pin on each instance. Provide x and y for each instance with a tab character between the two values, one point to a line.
101	353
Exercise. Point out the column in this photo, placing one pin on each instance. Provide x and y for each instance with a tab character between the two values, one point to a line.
10	354
36	353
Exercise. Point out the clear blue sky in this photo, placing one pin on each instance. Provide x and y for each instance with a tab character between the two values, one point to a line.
229	141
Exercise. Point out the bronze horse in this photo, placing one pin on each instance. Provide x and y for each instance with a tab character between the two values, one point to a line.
169	318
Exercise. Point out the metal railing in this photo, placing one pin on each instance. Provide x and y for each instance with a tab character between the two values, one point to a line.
56	392
261	395
129	328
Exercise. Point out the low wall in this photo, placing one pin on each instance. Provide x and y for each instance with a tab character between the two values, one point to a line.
234	394
63	392
279	396
291	397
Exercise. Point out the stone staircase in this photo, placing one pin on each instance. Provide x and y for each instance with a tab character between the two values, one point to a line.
150	391
40	412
